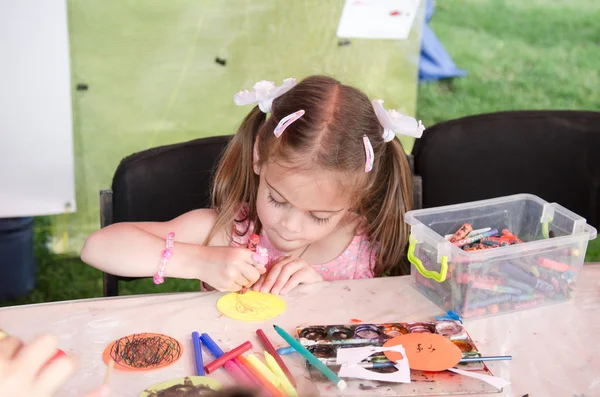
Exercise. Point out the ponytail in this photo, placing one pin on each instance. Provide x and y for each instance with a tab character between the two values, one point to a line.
388	199
235	181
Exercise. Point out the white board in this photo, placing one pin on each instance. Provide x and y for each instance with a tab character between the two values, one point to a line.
377	19
36	129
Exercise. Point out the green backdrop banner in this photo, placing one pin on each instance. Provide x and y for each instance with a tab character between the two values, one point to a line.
157	72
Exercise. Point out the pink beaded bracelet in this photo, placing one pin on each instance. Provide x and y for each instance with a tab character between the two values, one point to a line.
159	277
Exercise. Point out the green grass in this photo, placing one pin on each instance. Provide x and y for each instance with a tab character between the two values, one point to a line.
518	54
536	54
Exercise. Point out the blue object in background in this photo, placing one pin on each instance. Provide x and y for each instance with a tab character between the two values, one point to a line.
435	63
18	268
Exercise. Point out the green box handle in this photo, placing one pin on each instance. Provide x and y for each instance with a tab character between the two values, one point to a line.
440	276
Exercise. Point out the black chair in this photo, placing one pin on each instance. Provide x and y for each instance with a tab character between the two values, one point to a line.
162	183
552	154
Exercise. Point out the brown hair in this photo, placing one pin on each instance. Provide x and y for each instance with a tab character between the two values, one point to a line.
329	136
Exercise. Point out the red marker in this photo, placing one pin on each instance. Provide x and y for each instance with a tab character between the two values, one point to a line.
230	355
271	349
253	242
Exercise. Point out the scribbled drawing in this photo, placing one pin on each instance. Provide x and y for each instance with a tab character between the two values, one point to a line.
249	306
145	351
185	389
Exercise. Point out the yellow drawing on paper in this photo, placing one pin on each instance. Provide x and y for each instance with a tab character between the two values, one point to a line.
182	387
251	306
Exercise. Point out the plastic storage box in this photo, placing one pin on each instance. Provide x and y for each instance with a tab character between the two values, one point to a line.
543	269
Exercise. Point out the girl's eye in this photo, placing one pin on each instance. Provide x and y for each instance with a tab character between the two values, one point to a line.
320	221
275	202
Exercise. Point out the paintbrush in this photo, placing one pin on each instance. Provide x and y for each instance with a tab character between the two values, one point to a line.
489	358
387	364
109	368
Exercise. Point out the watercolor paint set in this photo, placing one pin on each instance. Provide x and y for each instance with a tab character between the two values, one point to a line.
526	253
325	340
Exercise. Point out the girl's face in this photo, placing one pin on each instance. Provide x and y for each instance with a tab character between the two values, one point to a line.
297	208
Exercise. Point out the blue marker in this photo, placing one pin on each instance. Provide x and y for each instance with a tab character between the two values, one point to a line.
198	353
212	347
282	351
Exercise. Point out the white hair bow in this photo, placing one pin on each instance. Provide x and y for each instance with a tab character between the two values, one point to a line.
394	122
263	94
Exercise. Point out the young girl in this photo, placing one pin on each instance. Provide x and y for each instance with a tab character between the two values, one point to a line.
315	169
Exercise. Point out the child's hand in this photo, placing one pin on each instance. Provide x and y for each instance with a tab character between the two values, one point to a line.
285	274
26	372
230	268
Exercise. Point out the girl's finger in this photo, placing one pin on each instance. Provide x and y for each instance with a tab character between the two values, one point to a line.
31	358
286	273
237	285
252	258
250	273
273	274
54	375
9	346
259	282
294	281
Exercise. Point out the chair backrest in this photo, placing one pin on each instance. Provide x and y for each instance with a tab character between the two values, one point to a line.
552	154
162	183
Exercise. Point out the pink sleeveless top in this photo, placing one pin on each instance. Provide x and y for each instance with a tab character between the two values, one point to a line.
356	262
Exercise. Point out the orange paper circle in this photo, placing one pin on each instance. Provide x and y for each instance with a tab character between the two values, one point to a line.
425	351
143	352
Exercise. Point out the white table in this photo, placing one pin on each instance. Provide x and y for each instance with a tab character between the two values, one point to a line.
555	348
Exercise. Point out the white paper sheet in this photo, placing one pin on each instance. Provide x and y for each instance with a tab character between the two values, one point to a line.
492	380
351	357
377	19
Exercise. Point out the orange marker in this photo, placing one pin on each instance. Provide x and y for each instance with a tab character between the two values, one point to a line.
269	387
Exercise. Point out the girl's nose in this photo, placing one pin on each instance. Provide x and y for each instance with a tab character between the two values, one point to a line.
292	221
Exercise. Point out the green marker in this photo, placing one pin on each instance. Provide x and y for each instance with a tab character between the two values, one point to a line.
311	358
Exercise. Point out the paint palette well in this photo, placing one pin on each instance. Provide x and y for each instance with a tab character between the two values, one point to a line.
324	341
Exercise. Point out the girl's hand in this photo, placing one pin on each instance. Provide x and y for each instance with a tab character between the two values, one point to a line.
231	268
285	274
25	370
